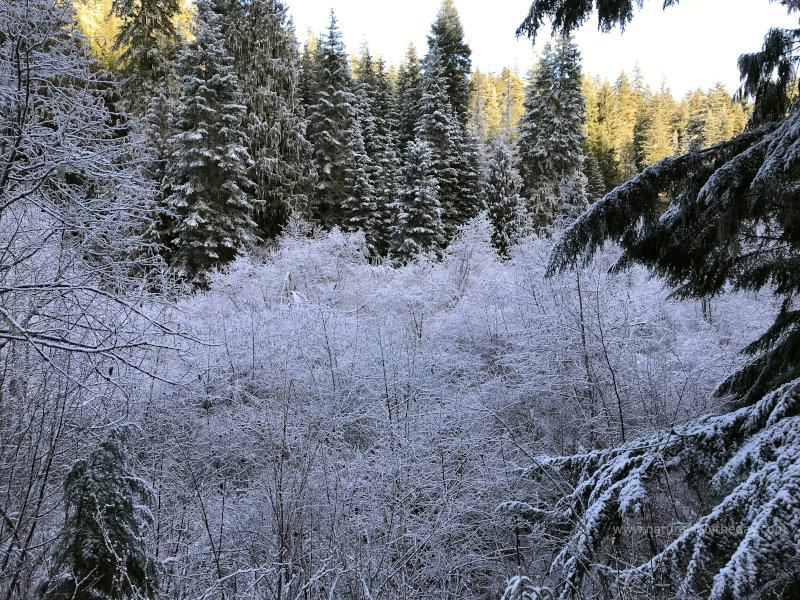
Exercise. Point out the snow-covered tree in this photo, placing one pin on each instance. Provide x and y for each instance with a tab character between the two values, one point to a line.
505	205
409	95
74	206
147	42
267	64
360	209
551	129
70	183
379	126
418	224
330	118
102	553
469	164
447	34
208	208
439	128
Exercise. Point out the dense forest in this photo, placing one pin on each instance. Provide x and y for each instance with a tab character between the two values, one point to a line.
280	321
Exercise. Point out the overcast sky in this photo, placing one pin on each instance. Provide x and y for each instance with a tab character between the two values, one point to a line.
694	44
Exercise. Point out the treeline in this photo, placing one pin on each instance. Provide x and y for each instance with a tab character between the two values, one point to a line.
246	130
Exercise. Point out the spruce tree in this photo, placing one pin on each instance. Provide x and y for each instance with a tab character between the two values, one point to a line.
101	554
439	128
207	183
379	125
447	34
360	209
604	143
330	118
551	130
268	68
409	96
418	215
147	41
307	86
469	163
504	202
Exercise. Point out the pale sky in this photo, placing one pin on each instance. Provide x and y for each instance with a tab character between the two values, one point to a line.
694	44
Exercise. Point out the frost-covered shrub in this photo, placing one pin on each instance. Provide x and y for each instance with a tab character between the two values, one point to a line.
354	426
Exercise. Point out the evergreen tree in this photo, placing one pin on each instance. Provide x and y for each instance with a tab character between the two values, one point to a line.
438	127
268	68
654	135
147	41
511	97
606	140
627	110
307	86
732	221
504	202
595	186
447	35
330	118
409	96
157	128
379	126
484	111
360	207
102	554
551	130
712	118
418	215
469	164
207	176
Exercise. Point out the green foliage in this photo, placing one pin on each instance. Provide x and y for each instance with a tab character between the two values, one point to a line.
102	553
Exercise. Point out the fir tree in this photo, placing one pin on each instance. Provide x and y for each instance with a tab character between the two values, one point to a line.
157	128
447	35
207	178
409	96
329	120
360	208
551	130
469	164
102	554
604	140
306	85
438	127
146	41
379	125
505	204
418	215
268	68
